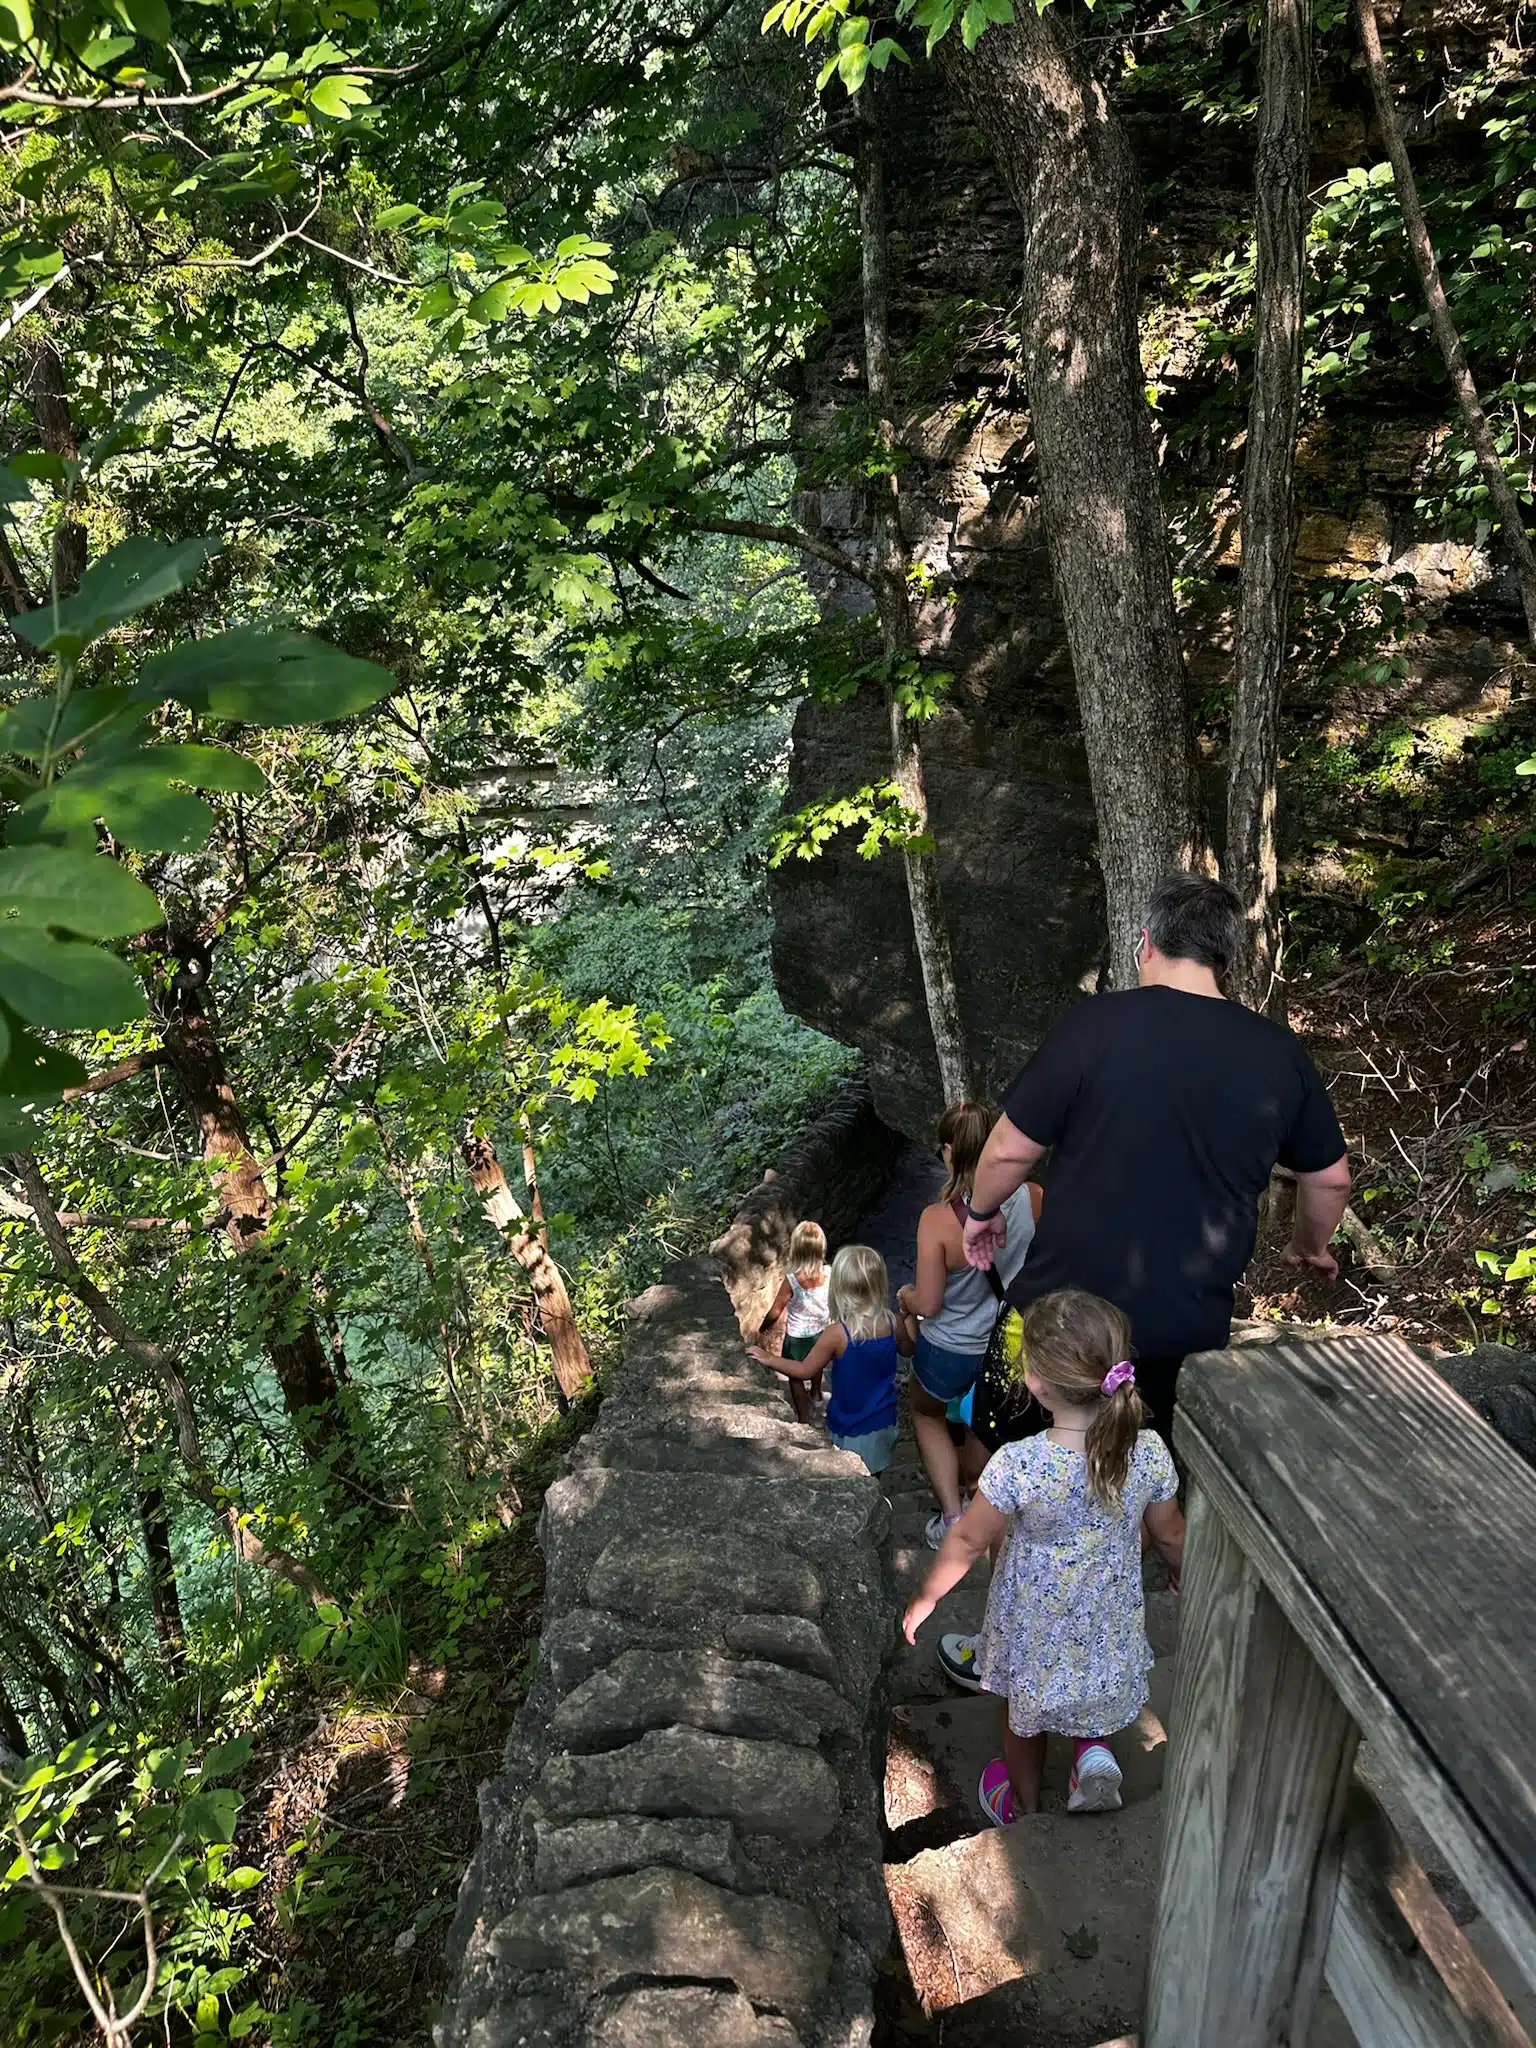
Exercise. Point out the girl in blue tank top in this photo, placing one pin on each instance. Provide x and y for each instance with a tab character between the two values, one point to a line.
862	1341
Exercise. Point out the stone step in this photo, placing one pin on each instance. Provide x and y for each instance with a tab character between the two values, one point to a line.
937	1750
1034	1936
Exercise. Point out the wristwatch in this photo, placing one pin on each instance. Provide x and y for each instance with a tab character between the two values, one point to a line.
982	1215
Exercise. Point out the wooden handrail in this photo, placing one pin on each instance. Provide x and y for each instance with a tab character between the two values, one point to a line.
1361	1561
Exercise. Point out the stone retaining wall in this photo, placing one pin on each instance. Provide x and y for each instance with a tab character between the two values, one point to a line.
683	1845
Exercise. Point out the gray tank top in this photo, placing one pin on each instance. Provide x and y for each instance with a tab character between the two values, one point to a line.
964	1322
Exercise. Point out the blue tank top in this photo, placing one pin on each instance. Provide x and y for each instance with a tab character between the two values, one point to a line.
863	1386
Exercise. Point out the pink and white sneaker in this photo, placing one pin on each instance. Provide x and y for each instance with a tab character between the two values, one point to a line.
996	1794
1095	1783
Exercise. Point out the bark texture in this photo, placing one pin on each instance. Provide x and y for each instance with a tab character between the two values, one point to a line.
1269	477
56	431
1067	163
890	564
573	1367
1505	504
13	1737
166	1369
291	1335
164	1596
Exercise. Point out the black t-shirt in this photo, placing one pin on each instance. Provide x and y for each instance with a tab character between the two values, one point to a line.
1165	1112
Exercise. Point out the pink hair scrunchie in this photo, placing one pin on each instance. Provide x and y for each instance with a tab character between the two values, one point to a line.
1123	1374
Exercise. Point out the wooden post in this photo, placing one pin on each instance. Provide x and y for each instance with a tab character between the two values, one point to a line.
1259	1762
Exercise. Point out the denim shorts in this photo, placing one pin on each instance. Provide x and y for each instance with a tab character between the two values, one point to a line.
946	1375
875	1448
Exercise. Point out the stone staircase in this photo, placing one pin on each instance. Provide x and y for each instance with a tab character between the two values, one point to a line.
1031	1937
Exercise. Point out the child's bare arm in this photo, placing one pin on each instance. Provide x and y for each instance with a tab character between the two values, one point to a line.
780	1303
828	1345
977	1530
1165	1523
906	1335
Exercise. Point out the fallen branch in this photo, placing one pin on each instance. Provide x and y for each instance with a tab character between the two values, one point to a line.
117	2027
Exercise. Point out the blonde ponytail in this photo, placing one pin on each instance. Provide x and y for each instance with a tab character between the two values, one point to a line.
1074	1342
1111	1442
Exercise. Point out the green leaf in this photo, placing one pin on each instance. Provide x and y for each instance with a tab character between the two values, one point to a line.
41	468
36	726
313	1641
245	1879
83	893
210	1816
105	51
263	678
167	1766
580	281
494	303
131	793
148	18
66	984
34	1071
328	1612
14	489
136	574
225	1757
397	216
438	301
13	1907
339	95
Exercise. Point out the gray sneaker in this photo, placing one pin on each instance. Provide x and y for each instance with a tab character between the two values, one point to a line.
957	1655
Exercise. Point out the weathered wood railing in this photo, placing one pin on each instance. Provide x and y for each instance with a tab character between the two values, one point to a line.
1360	1569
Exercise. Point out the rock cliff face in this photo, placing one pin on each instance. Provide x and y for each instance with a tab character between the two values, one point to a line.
1007	779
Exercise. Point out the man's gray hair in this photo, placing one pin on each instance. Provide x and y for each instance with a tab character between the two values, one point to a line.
1190	917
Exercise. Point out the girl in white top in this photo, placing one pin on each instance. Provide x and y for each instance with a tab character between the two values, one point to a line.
957	1303
802	1302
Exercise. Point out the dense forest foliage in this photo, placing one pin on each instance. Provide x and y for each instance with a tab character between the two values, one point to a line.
400	451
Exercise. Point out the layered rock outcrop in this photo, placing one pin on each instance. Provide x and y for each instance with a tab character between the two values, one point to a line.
1007	780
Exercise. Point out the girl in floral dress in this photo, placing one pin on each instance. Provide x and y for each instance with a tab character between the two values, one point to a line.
1065	1638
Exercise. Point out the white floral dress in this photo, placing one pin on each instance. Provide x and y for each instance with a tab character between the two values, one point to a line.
1065	1638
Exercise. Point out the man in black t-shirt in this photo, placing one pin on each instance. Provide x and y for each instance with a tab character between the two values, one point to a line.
1164	1108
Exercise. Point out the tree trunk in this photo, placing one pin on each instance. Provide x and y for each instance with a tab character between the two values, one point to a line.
1505	504
63	1590
1067	162
56	431
164	1598
166	1368
290	1334
13	1737
1269	467
893	603
573	1366
51	1679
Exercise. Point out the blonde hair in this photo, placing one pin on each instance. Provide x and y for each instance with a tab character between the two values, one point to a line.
860	1294
808	1250
965	1128
1070	1340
